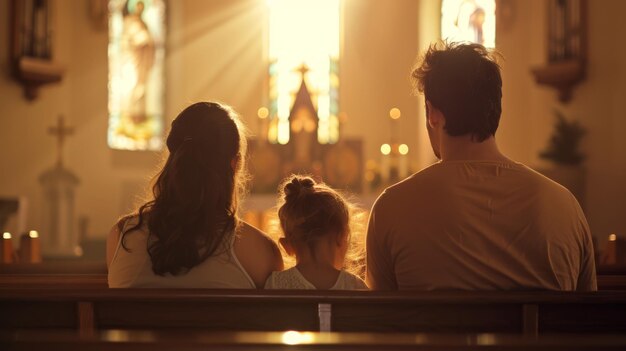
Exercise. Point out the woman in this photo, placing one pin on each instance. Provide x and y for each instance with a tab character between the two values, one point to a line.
189	235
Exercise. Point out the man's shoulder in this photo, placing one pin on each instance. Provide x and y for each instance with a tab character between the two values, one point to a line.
410	188
543	184
438	175
425	177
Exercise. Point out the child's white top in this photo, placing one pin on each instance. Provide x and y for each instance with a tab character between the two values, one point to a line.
293	279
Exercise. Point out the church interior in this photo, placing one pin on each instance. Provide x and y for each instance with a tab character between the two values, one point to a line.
88	89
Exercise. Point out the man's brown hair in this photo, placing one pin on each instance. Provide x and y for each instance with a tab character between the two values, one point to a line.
462	81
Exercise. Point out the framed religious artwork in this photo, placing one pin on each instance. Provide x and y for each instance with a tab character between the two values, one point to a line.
266	163
567	47
471	21
342	164
32	45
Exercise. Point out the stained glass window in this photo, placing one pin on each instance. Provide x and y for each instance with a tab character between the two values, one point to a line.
469	21
136	63
304	32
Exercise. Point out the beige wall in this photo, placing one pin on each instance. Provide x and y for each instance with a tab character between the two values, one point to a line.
598	103
216	51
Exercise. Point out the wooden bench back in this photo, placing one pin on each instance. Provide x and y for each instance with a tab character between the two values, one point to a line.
99	280
251	310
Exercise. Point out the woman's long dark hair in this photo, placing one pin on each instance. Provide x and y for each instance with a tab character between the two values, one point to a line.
196	193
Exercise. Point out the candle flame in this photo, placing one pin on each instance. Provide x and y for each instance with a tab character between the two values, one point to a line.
6	235
385	149
33	234
263	112
403	149
395	113
612	237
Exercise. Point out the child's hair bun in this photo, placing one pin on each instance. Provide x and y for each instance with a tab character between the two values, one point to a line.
298	186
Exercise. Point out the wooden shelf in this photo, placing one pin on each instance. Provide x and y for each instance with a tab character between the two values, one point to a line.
32	73
562	76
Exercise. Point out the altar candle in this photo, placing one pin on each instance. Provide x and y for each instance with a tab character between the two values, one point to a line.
385	150
403	162
263	113
7	248
35	247
610	251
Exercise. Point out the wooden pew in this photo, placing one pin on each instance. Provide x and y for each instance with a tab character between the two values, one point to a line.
54	281
530	313
99	280
150	340
55	267
612	282
54	274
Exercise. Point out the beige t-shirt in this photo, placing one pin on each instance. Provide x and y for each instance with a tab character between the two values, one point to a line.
479	225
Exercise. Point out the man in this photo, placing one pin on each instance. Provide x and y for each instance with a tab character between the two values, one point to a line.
476	220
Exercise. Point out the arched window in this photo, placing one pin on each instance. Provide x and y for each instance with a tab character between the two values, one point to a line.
469	21
304	33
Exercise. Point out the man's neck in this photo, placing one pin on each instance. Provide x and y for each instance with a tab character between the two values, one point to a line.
463	148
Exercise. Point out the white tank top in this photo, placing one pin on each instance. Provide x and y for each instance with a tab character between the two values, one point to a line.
133	268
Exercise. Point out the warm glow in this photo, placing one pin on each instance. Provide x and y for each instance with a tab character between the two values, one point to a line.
263	112
403	149
395	113
33	234
294	338
612	237
6	235
117	335
385	149
304	32
469	21
486	339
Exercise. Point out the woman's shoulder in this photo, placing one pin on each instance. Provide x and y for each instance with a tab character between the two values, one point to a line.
123	225
255	237
126	222
257	252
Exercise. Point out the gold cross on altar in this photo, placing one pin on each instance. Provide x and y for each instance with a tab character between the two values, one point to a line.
303	69
61	132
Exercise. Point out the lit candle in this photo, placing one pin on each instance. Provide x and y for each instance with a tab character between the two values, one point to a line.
263	113
395	115
403	163
35	246
385	150
7	248
610	256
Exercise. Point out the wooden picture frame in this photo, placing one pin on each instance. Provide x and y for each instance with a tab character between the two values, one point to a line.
567	47
32	45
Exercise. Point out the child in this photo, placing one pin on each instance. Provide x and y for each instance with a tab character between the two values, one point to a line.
315	222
